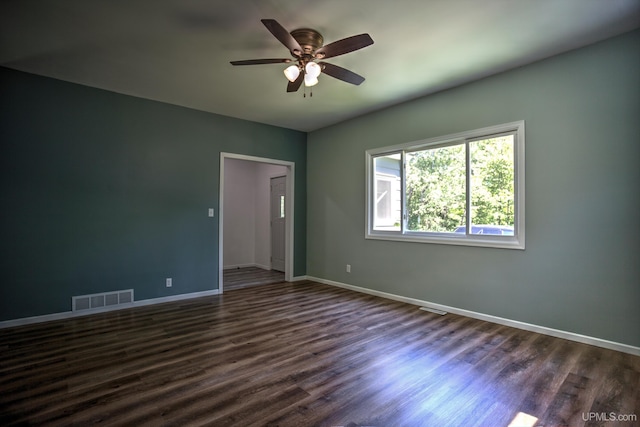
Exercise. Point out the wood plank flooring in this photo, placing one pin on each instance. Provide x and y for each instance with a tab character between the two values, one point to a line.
304	354
239	278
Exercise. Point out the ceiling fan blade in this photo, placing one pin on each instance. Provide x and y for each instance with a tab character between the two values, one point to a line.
283	36
341	73
295	85
260	61
343	46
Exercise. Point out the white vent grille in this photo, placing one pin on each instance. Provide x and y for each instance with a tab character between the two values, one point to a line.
105	299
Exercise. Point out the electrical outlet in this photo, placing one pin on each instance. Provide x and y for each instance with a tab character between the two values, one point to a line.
169	282
211	212
348	268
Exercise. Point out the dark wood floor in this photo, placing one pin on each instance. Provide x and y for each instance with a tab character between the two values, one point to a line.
303	354
239	278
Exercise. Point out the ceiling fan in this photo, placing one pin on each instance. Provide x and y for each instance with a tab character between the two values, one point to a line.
308	50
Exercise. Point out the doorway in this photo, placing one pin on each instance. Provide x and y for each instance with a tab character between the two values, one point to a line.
248	219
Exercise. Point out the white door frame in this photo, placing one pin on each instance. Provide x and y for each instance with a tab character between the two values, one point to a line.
289	213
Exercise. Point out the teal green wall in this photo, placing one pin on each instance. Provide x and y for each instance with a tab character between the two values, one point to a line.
580	271
102	191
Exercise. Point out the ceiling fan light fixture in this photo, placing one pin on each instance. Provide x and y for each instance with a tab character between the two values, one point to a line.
312	69
292	73
309	80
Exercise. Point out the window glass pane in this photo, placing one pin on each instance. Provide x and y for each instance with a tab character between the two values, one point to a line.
387	189
492	186
281	206
435	189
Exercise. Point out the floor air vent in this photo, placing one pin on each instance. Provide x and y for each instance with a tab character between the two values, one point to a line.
105	299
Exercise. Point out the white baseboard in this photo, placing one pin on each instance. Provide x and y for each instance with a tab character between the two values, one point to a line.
71	314
625	348
481	316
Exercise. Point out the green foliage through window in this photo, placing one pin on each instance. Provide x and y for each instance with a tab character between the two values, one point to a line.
436	185
435	189
492	181
443	183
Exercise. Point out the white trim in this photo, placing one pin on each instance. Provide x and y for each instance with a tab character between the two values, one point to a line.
611	345
289	212
72	314
299	278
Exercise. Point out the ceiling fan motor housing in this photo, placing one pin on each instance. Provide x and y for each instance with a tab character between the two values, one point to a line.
308	39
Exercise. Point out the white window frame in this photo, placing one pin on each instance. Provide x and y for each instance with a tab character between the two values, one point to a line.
517	241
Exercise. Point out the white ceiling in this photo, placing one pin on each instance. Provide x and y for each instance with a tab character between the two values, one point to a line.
178	51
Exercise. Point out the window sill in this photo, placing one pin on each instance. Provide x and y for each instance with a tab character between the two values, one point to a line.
499	242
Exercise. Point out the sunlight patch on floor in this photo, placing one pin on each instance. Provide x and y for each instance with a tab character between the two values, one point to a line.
523	420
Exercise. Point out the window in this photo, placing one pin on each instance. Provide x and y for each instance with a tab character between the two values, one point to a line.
281	215
462	189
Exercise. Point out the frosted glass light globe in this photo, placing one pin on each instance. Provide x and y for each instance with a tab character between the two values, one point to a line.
292	73
312	69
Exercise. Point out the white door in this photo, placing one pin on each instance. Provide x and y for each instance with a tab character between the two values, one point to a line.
278	191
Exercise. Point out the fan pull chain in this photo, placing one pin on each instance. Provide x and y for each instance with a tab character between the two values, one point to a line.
305	92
